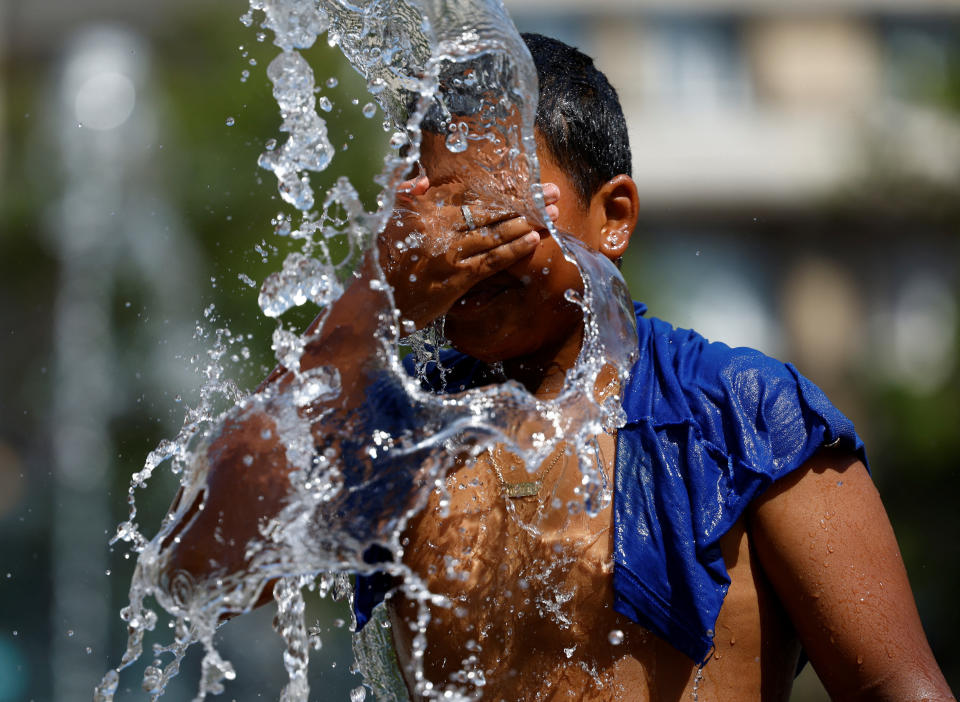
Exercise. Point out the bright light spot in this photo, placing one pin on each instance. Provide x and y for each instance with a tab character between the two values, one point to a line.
924	326
105	101
725	307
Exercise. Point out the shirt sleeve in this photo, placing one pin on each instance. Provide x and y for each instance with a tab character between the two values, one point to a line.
709	429
758	415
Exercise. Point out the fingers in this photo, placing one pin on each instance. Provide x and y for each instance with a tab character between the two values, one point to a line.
503	256
551	192
486	238
485	214
495	227
407	192
414	186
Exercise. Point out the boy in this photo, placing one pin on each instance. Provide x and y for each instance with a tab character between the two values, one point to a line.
744	524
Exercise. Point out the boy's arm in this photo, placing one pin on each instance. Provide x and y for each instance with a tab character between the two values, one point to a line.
246	468
247	472
825	542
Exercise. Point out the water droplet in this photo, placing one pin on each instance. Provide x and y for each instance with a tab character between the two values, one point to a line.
230	121
615	637
306	151
244	74
108	686
70	633
457	138
696	683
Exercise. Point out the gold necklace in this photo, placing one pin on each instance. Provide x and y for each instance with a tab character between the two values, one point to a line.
524	488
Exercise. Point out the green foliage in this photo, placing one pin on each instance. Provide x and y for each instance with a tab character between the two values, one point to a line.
206	174
227	199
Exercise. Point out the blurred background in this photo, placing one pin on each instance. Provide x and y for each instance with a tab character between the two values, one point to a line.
799	167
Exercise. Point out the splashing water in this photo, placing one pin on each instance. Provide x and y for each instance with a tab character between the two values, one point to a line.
358	443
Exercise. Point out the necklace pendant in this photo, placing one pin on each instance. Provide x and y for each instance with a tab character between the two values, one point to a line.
523	489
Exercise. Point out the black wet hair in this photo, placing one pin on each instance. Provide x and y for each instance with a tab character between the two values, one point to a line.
579	117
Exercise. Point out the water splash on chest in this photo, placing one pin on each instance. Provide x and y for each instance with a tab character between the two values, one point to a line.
358	475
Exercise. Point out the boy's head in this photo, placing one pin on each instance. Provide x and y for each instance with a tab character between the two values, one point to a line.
583	149
579	119
579	122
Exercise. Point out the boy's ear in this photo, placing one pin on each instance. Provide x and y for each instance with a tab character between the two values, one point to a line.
618	207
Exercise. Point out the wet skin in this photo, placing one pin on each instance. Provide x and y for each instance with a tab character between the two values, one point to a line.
813	562
530	582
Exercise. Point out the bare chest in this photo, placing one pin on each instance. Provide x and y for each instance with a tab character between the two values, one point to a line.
476	542
526	579
529	599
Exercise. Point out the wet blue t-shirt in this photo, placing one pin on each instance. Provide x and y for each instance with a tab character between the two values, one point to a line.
708	429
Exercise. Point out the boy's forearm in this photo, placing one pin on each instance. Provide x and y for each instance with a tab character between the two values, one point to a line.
826	544
348	336
244	468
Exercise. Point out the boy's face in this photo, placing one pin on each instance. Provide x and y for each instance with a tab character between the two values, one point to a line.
521	309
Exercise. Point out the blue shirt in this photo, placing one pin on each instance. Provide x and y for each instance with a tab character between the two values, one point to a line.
708	429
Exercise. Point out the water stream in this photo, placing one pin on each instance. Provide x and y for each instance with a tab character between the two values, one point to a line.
360	469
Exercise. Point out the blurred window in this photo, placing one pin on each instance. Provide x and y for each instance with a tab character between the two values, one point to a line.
695	63
922	60
569	29
710	280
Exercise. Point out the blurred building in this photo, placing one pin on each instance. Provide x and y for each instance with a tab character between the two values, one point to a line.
799	170
796	164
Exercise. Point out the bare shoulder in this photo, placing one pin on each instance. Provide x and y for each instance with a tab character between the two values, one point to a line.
823	539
